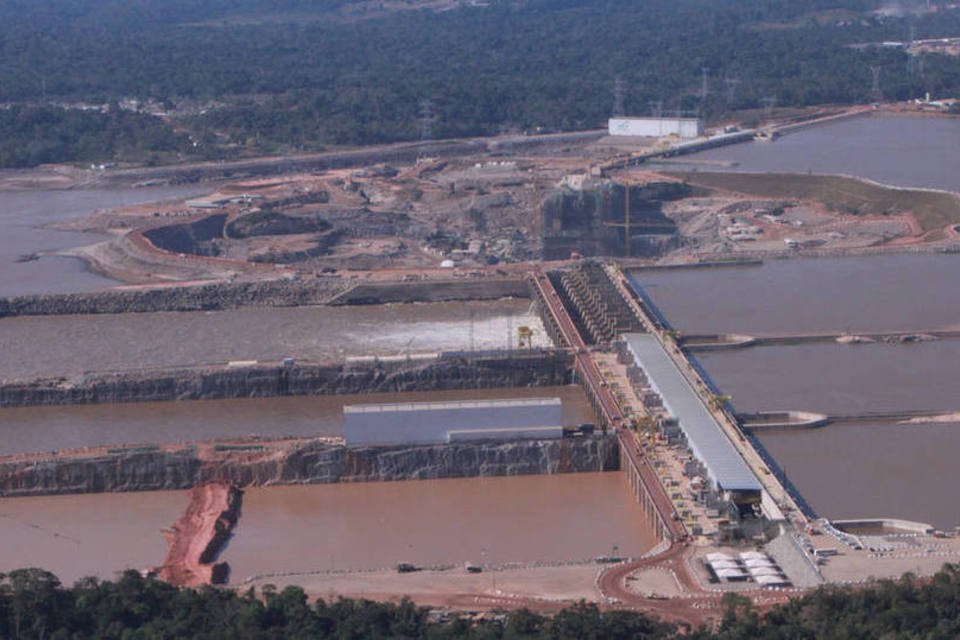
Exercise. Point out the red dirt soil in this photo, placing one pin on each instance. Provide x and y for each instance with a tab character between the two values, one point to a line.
196	538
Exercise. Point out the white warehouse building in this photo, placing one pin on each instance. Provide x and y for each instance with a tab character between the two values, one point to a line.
656	127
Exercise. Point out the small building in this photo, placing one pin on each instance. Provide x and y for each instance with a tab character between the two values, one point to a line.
422	423
656	127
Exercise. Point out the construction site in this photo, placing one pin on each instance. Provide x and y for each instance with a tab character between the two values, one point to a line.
501	267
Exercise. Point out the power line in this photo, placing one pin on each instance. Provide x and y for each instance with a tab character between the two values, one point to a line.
768	103
619	92
427	119
731	84
875	93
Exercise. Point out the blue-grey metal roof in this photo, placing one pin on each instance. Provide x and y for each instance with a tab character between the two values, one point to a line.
711	446
431	422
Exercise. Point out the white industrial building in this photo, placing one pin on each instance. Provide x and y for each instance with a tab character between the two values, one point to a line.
656	127
456	421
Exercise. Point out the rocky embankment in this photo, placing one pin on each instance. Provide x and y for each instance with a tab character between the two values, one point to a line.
303	462
518	369
209	297
196	538
265	293
434	291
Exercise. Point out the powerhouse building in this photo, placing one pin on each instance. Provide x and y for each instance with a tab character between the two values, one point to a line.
442	422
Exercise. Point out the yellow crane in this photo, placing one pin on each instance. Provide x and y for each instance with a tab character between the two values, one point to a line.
717	401
524	337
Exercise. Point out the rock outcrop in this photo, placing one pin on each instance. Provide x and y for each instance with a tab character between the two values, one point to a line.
517	369
210	297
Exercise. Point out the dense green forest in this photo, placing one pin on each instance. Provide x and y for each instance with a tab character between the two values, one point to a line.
34	605
292	74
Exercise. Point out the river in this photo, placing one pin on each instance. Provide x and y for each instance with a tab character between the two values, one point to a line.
37	429
904	151
23	216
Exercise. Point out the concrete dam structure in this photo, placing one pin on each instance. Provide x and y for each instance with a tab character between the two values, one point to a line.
609	219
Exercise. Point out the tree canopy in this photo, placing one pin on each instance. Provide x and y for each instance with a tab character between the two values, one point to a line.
271	75
33	604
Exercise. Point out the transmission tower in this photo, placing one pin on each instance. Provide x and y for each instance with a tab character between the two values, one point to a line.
731	89
427	120
875	94
768	103
911	58
704	83
619	92
473	346
656	108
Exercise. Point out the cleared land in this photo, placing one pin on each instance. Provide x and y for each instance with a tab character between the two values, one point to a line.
932	209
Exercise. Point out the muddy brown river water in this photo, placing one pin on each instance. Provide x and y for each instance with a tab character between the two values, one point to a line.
23	215
313	528
69	345
493	520
35	429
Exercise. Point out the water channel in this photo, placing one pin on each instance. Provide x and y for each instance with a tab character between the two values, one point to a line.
23	216
904	151
70	345
343	526
849	470
494	520
36	429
